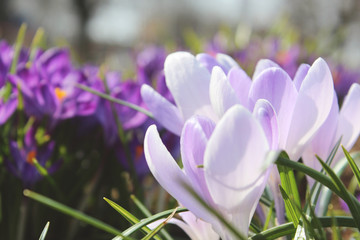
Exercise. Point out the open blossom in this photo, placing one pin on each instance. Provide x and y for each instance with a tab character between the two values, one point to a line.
21	163
290	110
224	164
299	106
342	123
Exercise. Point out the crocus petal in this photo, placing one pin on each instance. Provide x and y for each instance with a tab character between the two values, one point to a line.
323	141
300	75
275	85
164	112
311	109
262	65
188	82
166	171
265	113
349	118
226	62
193	142
222	96
234	158
207	61
241	84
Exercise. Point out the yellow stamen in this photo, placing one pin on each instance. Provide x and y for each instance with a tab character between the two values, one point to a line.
138	152
60	94
30	157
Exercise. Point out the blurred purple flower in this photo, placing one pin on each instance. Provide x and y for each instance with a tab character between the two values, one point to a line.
39	82
224	164
6	58
22	165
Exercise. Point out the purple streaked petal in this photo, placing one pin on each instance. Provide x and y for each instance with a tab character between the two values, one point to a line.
164	112
349	118
226	62
166	171
188	82
262	65
207	61
193	142
311	109
300	75
241	84
222	96
265	114
8	108
323	141
275	85
237	145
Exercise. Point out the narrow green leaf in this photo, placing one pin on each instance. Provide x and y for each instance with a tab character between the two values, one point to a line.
352	164
315	221
128	216
147	213
115	100
44	231
317	187
38	41
158	228
292	213
73	213
288	229
268	217
345	195
147	221
18	45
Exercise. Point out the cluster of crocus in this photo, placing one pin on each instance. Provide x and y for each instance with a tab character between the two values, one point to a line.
230	124
46	88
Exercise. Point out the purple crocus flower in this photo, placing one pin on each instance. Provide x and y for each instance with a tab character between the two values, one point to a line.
74	101
150	63
342	123
39	82
224	163
129	118
22	165
290	111
6	58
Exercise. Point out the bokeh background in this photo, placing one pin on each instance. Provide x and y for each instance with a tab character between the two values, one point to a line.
116	33
107	28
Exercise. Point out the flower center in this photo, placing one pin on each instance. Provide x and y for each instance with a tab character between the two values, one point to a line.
59	93
30	157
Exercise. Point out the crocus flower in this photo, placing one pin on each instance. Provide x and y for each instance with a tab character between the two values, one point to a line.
22	165
38	82
290	111
225	164
343	123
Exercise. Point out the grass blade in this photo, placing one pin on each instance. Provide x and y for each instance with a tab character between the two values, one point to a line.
115	100
158	228
291	210
352	164
147	213
345	195
73	213
147	221
128	216
44	231
18	45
